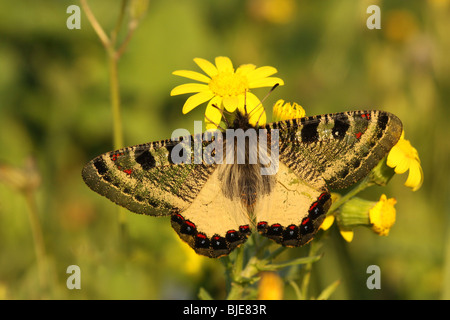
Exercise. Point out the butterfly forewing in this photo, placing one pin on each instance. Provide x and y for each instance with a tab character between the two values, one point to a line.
144	180
342	147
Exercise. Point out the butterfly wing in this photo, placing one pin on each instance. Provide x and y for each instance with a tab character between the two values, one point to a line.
145	180
294	210
213	225
342	147
316	153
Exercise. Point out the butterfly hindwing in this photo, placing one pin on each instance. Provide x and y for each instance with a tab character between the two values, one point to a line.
293	212
213	225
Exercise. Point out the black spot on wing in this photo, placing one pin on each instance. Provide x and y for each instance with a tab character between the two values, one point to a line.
382	124
100	165
341	125
145	159
309	130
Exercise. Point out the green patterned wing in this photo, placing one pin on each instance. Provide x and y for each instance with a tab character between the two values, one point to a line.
145	180
339	148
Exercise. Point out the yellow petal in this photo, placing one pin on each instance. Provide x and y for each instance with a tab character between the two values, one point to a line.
347	235
192	75
230	103
245	69
209	68
396	159
224	64
415	176
213	113
265	82
254	109
189	88
261	72
327	222
196	99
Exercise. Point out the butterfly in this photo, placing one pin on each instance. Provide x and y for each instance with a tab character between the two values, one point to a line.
215	205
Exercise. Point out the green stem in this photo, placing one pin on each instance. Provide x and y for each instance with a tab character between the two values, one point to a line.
38	239
115	102
117	125
113	57
313	248
363	184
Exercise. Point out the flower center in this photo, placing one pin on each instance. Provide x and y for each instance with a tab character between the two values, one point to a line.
228	84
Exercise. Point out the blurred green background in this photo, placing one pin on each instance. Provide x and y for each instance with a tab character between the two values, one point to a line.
55	108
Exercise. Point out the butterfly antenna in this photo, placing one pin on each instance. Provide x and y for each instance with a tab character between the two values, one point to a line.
216	124
260	105
222	112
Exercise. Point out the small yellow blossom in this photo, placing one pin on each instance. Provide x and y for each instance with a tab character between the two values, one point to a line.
270	286
226	88
379	216
402	157
382	215
286	111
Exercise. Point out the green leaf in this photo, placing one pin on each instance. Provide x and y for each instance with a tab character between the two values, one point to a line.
275	266
203	294
328	291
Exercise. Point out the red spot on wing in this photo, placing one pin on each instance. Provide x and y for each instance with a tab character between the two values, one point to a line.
322	195
128	171
115	156
190	224
262	223
313	205
305	221
358	135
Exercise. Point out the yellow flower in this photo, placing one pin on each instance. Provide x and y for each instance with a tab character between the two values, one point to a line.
402	157
226	88
382	215
286	111
379	216
270	287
